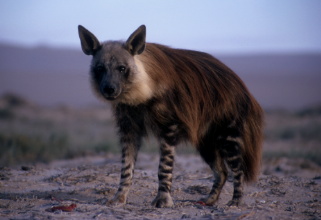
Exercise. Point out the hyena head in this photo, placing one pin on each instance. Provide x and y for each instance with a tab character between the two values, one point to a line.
117	74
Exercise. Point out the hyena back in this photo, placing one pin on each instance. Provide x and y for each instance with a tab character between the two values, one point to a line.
179	95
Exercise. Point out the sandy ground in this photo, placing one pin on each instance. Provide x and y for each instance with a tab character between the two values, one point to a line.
286	189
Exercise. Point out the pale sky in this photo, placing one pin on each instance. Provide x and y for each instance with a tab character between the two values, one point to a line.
229	26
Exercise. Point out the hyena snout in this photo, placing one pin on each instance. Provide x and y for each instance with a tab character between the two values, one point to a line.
109	91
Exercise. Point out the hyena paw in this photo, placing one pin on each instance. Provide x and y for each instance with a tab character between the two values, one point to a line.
163	200
210	200
118	200
233	202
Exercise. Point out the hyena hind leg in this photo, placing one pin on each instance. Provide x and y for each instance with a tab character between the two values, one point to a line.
216	163
231	151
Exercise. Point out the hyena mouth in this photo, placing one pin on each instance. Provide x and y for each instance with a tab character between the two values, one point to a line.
109	97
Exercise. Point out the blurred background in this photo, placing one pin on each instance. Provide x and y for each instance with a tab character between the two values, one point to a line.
47	108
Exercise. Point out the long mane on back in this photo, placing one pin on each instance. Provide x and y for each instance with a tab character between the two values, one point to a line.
200	87
202	91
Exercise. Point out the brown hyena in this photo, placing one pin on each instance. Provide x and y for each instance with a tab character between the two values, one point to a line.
178	95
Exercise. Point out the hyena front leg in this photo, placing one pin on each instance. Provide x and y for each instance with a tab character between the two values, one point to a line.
165	174
129	155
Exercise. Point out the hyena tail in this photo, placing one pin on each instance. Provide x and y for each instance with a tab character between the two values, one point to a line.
253	138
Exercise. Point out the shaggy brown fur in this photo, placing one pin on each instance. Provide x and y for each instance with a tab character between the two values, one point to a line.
201	90
179	95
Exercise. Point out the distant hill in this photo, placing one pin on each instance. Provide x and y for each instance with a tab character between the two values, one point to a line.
53	76
275	64
42	60
50	60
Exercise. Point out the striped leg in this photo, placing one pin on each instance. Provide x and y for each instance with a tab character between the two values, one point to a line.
129	155
165	173
214	160
233	157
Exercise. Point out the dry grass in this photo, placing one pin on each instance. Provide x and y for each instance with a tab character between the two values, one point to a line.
29	133
294	134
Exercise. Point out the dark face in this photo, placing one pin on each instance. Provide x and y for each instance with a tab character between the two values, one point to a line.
116	74
111	69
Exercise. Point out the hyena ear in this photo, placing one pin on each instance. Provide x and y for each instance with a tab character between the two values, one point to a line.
89	43
136	41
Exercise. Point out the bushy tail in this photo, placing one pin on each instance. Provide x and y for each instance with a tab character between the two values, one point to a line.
253	138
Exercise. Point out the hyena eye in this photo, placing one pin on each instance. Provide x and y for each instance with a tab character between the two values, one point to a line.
122	69
99	69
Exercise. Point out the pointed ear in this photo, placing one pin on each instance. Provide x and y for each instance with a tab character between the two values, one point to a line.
89	43
136	41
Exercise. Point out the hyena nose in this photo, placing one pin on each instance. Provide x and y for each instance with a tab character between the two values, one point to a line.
108	90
